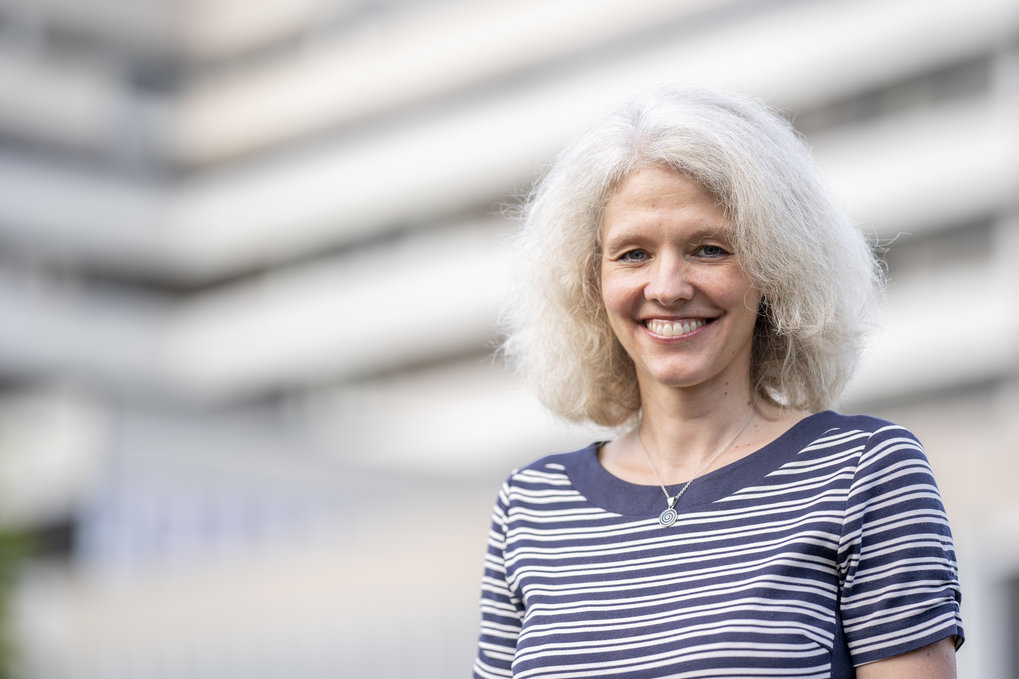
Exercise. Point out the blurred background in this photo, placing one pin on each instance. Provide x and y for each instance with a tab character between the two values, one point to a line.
250	258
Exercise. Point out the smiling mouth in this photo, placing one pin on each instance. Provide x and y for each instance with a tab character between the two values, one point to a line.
675	328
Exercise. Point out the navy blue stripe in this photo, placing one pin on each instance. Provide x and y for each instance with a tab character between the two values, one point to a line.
826	548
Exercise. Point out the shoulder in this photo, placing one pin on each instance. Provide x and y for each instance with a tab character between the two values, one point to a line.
886	460
865	431
869	446
548	480
879	436
554	468
836	421
830	432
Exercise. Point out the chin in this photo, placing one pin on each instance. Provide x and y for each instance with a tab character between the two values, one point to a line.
687	376
676	380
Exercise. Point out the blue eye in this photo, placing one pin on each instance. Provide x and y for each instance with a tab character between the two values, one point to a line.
712	251
633	256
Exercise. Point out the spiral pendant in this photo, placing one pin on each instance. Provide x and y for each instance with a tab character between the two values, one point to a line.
668	517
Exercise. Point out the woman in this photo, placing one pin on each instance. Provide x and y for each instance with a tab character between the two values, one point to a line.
688	281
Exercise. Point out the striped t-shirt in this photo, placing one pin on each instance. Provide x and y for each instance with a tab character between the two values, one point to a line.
826	549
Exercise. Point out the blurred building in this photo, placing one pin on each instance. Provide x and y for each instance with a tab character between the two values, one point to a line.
251	256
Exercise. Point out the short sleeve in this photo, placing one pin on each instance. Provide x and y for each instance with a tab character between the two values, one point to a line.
501	610
898	571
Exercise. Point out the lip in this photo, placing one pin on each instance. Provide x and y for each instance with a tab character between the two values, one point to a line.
671	329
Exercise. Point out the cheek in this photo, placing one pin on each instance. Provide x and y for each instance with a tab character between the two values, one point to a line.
609	292
734	291
618	309
617	297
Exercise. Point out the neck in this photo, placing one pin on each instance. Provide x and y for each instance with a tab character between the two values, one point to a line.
682	433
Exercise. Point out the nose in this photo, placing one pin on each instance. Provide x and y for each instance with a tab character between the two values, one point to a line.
669	281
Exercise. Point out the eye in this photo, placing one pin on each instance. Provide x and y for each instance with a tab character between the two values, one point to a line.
712	251
634	256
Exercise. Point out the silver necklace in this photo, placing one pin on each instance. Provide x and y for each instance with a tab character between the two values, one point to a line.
669	514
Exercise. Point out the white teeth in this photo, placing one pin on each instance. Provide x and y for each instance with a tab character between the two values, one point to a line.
674	328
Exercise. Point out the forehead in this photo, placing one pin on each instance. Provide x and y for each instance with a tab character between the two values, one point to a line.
659	197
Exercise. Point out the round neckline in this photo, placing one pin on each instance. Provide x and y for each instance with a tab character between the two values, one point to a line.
611	493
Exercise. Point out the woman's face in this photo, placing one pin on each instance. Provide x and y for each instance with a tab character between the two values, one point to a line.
671	284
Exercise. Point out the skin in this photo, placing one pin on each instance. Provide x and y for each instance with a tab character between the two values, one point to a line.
936	661
667	257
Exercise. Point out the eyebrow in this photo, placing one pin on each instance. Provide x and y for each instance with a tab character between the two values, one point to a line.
628	234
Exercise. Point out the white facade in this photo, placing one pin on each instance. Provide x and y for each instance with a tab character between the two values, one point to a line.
251	256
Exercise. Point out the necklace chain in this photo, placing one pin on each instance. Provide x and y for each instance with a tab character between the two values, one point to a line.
668	517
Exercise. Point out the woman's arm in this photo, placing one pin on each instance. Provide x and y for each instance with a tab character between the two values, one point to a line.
501	610
936	661
900	585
